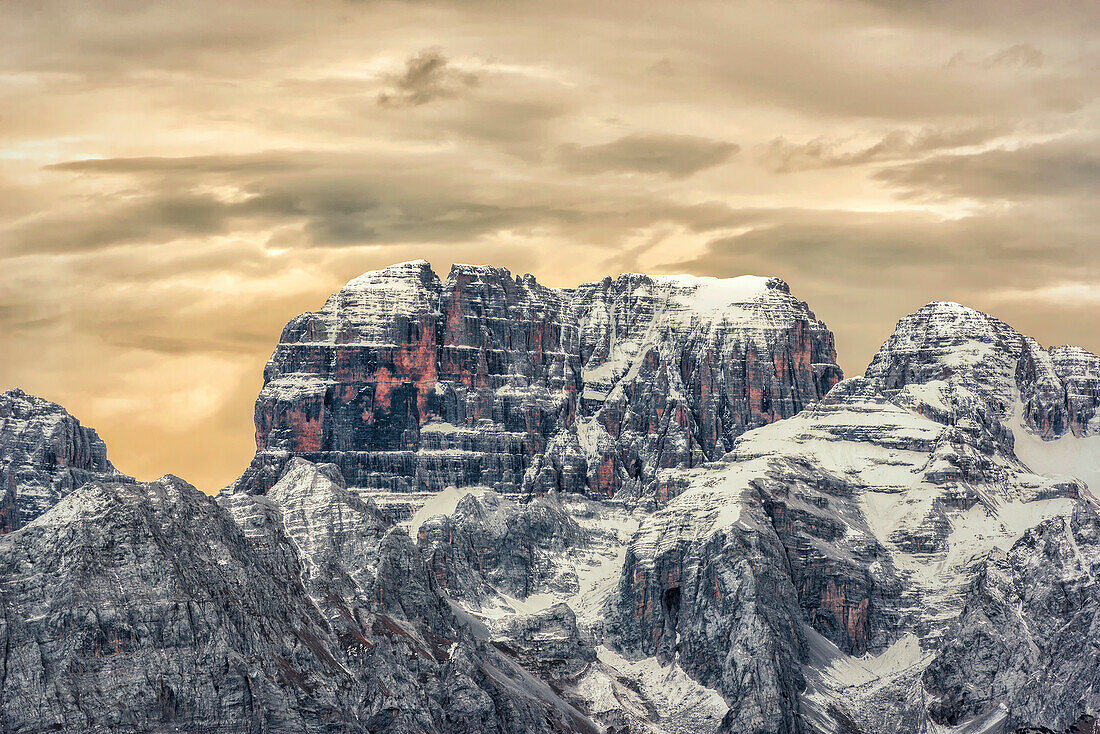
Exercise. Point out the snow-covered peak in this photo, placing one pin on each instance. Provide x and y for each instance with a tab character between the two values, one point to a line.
392	274
708	295
364	310
473	270
739	289
946	359
958	349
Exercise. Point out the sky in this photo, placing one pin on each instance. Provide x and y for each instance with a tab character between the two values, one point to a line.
178	180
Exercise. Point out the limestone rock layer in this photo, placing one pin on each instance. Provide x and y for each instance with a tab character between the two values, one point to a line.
409	383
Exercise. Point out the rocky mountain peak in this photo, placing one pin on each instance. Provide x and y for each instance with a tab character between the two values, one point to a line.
946	359
45	453
409	383
643	505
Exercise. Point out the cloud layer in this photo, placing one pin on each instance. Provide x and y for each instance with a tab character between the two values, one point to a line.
178	180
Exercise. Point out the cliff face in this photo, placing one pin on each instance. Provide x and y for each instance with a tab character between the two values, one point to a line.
1030	615
44	455
408	383
851	552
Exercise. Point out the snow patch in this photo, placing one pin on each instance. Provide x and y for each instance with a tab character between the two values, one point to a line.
1068	456
441	503
684	706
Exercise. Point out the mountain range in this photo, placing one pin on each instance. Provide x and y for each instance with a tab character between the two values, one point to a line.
645	505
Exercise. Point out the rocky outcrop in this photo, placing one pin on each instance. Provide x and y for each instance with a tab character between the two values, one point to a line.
407	383
140	607
146	607
719	602
1079	371
417	665
959	361
549	643
490	545
675	368
44	455
1025	643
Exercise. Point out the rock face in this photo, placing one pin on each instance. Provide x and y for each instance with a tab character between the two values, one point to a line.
407	383
492	545
139	607
1030	615
44	455
150	607
980	363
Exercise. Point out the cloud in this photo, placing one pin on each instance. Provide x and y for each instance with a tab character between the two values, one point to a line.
1064	167
677	156
782	156
324	199
1055	294
274	162
1018	56
427	77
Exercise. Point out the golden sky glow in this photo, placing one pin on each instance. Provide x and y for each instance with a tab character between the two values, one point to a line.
177	180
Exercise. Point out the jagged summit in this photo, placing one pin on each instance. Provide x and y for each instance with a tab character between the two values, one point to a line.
945	354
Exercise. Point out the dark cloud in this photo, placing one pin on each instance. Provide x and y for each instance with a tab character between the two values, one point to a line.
677	156
340	200
158	216
1067	167
664	67
782	156
428	76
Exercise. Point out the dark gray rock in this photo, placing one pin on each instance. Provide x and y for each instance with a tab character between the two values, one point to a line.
549	643
1028	638
142	607
492	545
145	607
44	455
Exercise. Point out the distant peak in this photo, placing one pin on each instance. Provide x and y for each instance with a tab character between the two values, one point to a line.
469	269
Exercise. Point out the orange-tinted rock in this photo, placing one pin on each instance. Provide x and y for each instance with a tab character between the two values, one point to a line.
409	383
